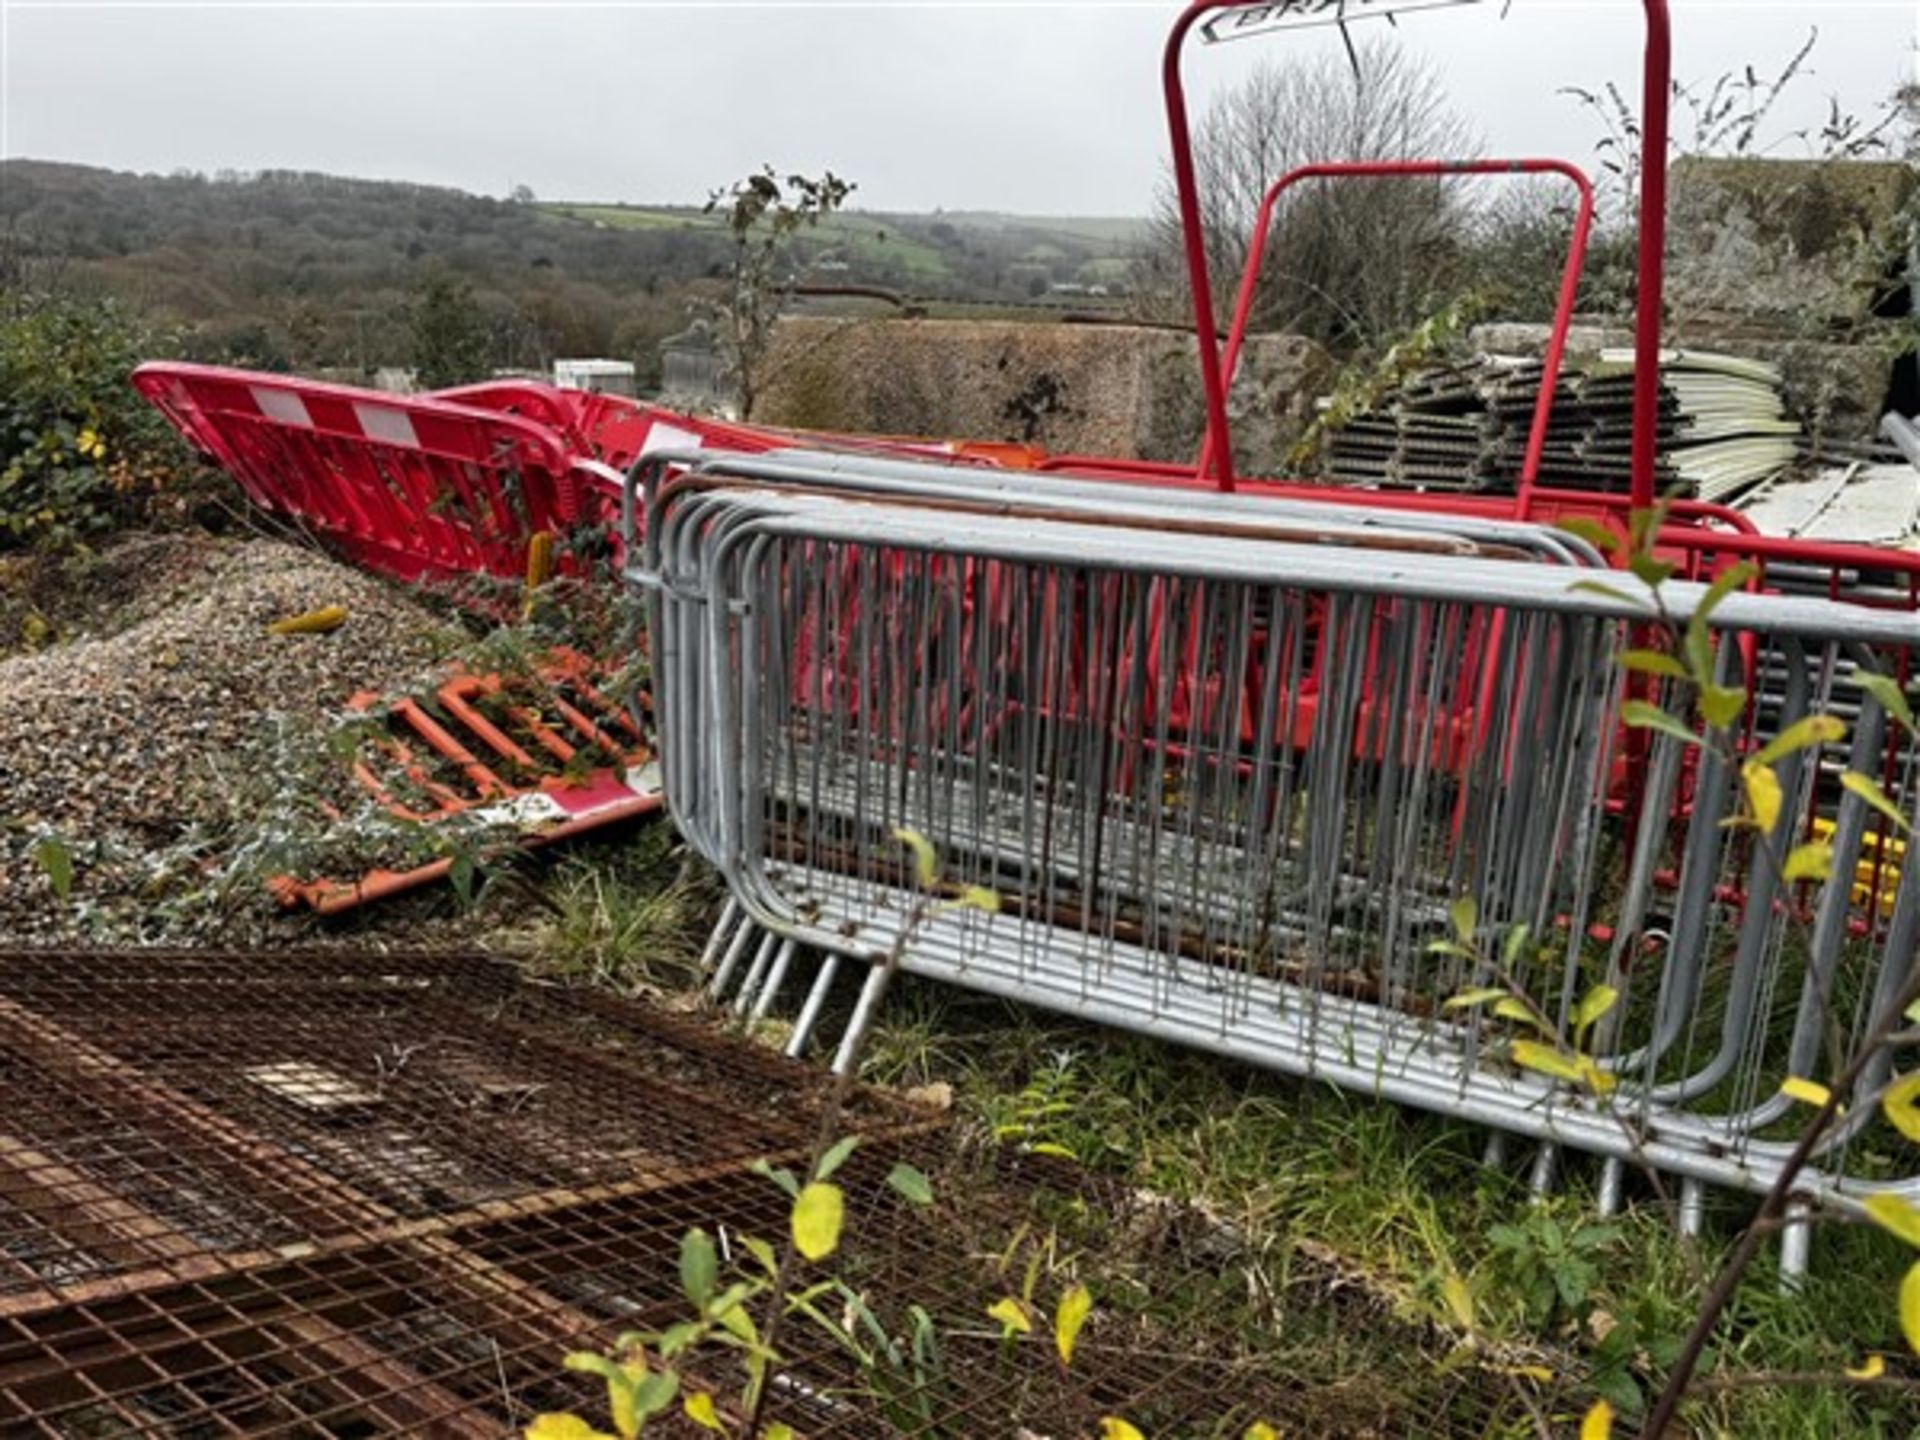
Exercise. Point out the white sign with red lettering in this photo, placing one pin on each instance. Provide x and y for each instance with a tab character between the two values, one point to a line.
1298	14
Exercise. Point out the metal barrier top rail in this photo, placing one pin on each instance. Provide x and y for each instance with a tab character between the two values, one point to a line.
1234	558
1118	501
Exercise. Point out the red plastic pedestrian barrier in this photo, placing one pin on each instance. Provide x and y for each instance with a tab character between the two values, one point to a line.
416	487
457	483
547	754
609	429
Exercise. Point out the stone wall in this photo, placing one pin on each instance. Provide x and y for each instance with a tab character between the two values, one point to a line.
1791	244
1127	391
1783	261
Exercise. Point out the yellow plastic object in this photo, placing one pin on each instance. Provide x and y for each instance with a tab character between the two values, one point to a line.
1886	856
539	568
314	622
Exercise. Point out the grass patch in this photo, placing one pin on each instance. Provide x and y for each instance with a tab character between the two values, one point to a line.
1372	1248
626	913
1304	1174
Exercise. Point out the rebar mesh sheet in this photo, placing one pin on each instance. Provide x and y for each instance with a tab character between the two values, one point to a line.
348	1195
240	1102
221	1176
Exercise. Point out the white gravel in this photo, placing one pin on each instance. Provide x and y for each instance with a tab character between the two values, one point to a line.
122	743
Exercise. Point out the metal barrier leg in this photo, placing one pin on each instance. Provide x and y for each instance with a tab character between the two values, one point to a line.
1540	1181
845	1057
1612	1178
762	958
1796	1243
1693	1209
729	916
810	1011
775	978
718	985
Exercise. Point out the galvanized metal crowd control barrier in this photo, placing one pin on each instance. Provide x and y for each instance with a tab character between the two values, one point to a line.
1228	763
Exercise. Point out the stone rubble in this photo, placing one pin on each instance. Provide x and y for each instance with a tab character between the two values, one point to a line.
124	742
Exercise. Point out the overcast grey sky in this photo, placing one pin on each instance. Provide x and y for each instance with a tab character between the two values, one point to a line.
1031	107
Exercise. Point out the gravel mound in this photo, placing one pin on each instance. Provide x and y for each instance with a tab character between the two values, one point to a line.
122	742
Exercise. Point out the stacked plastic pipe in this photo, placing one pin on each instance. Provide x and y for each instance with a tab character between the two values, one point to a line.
1723	427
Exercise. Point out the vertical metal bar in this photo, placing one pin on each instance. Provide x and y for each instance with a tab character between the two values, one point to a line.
1540	1180
762	958
1796	1245
1607	1194
729	913
1692	1218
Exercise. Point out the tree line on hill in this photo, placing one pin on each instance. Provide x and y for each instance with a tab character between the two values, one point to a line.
292	270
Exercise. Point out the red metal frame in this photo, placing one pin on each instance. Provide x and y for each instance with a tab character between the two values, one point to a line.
1405	169
1553	502
1653	223
1694	528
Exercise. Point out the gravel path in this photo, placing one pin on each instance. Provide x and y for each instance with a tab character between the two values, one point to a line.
123	742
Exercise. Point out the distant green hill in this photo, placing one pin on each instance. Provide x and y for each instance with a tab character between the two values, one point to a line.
872	243
981	255
318	272
1116	232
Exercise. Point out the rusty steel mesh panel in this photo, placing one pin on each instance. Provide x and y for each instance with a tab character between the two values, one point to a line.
350	1195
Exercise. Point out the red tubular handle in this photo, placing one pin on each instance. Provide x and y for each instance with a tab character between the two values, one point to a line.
1657	82
1377	169
1657	75
1194	236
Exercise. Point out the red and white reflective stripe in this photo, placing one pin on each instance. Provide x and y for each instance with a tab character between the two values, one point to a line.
281	405
605	474
664	436
383	422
